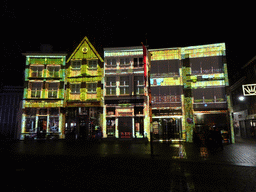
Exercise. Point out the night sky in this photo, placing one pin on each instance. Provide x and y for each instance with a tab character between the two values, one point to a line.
26	26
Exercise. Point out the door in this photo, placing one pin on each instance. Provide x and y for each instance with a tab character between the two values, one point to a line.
42	126
171	129
125	127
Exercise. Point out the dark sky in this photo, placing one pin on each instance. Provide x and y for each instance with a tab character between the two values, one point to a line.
26	26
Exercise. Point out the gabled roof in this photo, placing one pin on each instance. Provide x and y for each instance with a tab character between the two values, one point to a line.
91	47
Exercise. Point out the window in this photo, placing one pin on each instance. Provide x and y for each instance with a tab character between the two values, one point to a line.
139	84
110	85
91	87
124	85
75	88
138	62
93	64
76	65
36	90
36	71
111	81
54	124
53	90
111	63
54	71
124	62
30	124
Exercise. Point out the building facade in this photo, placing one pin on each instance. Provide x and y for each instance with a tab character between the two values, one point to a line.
159	94
43	100
189	91
126	99
83	101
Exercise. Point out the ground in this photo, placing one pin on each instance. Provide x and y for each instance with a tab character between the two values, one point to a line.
127	166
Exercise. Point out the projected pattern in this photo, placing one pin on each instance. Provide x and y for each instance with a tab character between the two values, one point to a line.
43	96
126	102
197	75
84	91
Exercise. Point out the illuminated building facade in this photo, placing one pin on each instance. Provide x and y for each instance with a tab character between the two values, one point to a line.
188	87
126	100
43	99
83	91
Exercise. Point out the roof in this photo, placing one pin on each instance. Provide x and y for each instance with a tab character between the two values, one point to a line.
90	45
123	48
44	54
191	47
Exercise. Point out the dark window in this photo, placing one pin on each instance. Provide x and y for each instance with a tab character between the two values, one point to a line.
124	85
76	64
139	84
93	64
75	88
91	87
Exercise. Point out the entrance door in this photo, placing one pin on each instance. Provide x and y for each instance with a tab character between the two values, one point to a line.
125	127
171	129
42	126
83	127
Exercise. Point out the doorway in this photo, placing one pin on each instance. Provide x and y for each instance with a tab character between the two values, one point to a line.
41	126
125	127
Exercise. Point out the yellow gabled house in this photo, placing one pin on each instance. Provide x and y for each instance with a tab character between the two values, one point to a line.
83	96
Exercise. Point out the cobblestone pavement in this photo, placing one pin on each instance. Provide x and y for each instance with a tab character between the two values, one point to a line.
235	154
127	166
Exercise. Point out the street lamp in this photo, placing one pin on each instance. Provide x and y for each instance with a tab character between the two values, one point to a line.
241	98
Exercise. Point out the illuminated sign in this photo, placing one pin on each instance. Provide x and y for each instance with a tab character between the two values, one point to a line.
165	81
249	89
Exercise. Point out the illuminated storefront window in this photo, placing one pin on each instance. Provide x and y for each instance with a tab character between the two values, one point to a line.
111	127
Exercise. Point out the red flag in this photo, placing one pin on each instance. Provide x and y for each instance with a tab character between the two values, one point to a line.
145	63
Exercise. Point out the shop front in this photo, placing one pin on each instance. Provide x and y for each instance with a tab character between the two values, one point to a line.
42	123
82	122
167	128
124	119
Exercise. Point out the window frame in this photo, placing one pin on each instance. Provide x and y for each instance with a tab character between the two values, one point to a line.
76	64
92	86
36	91
92	65
75	88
